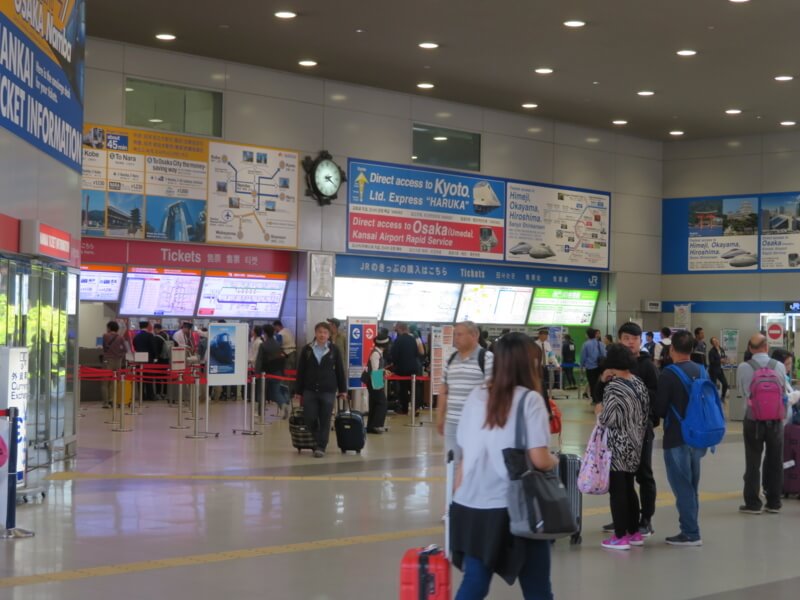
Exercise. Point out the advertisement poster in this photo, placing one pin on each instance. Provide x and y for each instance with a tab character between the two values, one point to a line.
560	227
683	317
141	184
723	234
407	210
780	232
361	334
442	349
14	393
729	340
227	353
41	75
252	196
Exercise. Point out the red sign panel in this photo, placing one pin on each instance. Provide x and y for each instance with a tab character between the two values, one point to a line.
9	233
775	331
124	252
54	242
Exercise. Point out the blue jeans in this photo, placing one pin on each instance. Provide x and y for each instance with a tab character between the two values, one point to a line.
277	392
683	474
534	577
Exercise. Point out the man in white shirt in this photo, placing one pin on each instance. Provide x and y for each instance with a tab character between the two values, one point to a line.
466	369
184	338
547	356
288	345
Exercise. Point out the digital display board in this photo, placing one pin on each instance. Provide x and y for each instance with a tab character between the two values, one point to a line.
242	295
100	283
356	297
151	292
562	307
423	301
494	304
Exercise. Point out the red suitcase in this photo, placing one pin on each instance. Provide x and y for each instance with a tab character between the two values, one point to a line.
425	575
791	454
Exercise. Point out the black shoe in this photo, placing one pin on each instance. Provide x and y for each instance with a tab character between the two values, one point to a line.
772	509
646	529
609	528
682	540
375	431
750	510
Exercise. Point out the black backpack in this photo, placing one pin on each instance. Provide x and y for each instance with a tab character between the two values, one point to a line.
481	359
665	358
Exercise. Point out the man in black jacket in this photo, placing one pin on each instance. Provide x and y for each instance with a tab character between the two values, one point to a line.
320	374
145	341
630	336
405	363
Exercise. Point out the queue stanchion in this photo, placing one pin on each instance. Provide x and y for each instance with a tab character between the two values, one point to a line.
180	424
430	400
120	428
207	403
195	392
134	387
114	420
413	408
252	421
263	399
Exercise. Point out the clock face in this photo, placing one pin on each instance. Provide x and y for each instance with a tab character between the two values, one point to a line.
328	177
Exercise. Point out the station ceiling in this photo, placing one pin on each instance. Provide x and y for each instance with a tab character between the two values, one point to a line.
489	50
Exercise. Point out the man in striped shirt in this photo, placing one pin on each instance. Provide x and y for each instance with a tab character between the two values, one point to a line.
465	370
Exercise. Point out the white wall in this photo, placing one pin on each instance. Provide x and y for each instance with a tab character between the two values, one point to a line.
275	108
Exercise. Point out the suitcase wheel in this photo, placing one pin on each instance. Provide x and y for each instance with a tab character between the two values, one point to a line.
358	451
299	450
344	451
576	539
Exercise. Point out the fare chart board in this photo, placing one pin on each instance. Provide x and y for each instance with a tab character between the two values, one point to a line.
422	301
241	295
494	304
356	296
160	292
100	283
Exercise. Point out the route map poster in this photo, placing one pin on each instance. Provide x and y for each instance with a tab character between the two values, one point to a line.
557	226
159	186
252	196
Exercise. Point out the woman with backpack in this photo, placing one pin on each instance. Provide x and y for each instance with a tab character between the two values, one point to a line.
376	365
481	540
624	413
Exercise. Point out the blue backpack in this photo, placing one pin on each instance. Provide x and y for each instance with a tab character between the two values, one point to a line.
703	426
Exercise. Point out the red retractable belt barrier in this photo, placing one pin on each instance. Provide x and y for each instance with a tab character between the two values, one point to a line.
407	378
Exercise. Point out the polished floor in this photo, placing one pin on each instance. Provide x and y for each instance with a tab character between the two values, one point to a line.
150	514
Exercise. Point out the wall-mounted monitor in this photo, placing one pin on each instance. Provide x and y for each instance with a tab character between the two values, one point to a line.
100	283
242	295
357	297
494	304
422	301
562	307
151	292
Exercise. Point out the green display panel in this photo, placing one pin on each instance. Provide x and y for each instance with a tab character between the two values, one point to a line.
562	307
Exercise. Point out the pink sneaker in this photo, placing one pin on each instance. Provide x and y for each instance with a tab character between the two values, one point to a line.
637	539
615	543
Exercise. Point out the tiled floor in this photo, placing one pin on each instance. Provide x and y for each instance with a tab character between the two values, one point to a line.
150	514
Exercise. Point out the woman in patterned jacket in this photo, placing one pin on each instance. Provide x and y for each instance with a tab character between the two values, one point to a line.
624	414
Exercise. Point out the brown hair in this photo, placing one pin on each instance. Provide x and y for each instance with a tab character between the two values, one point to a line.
323	325
517	362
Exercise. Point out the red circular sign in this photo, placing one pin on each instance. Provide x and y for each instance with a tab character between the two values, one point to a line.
775	331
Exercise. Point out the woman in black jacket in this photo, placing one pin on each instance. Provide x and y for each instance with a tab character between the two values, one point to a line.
320	374
716	356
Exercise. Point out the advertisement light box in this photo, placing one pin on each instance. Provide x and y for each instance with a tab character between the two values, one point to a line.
562	307
100	283
494	304
424	301
242	295
356	297
160	292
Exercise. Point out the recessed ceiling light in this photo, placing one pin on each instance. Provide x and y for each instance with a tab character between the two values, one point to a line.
338	97
686	52
676	132
359	30
128	89
429	45
440	138
285	14
414	157
544	70
307	63
530	105
425	86
620	122
733	111
645	92
165	37
574	23
156	120
739	1
592	140
224	26
784	77
788	123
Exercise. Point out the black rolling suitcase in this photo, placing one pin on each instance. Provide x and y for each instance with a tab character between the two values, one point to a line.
568	467
351	435
302	436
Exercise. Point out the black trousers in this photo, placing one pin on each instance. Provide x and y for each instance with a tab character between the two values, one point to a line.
569	376
624	503
718	375
377	409
644	477
592	375
763	438
317	410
